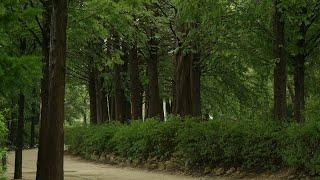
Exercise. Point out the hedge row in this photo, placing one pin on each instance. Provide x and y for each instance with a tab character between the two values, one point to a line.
250	145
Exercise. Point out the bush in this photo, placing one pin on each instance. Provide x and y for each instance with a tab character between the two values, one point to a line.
247	144
3	134
301	146
253	145
151	139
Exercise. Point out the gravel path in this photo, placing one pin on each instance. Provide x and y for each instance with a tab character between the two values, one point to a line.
78	169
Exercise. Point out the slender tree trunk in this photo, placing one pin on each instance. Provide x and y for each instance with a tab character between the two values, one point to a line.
299	75
92	93
168	107
99	98
43	133
135	84
299	102
155	108
19	139
54	148
33	122
102	111
120	99
32	133
280	71
112	107
173	85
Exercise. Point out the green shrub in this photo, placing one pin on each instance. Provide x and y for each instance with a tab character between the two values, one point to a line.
151	139
246	144
301	146
253	145
3	134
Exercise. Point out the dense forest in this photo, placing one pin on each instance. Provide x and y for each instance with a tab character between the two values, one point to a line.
201	84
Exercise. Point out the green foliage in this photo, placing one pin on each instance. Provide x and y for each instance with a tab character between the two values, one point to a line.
301	146
247	144
3	135
253	145
151	139
22	72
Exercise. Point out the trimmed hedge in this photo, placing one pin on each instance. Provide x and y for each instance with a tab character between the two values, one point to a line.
249	145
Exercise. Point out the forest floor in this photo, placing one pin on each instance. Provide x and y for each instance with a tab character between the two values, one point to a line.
79	169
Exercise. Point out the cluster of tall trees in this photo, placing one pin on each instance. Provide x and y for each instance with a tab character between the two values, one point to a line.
216	59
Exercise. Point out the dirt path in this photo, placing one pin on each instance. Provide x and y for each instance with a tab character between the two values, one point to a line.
77	169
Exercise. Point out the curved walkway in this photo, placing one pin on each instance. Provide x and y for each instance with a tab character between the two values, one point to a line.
78	169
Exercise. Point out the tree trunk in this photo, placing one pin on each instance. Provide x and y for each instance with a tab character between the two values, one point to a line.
168	107
280	70
183	97
119	96
299	74
111	107
196	86
155	108
54	148
92	93
299	102
43	133
34	118
101	100
19	139
32	133
135	84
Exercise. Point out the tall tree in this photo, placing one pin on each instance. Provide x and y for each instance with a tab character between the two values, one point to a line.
19	138
280	70
43	132
54	148
135	83
153	93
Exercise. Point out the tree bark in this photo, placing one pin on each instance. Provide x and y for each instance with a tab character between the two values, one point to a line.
102	111
92	93
111	107
135	84
32	132
196	86
155	108
183	96
299	76
280	70
33	122
43	133
52	165
119	97
19	139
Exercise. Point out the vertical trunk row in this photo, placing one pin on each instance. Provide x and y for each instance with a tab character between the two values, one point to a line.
19	139
135	84
280	70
